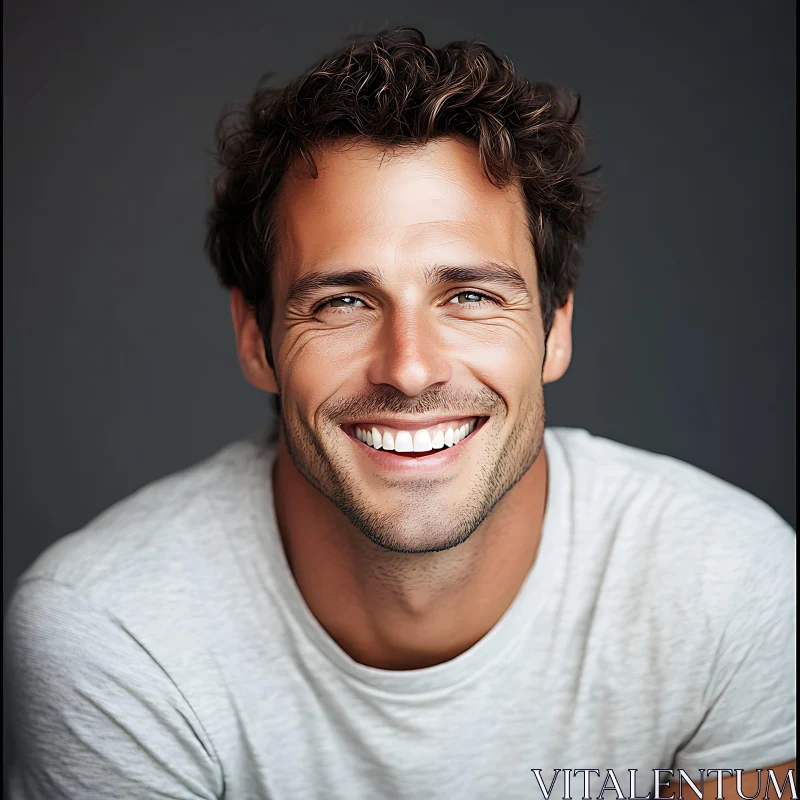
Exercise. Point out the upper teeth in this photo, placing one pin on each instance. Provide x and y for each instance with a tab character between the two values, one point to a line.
419	441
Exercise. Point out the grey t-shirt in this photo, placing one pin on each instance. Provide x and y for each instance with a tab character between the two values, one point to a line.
165	650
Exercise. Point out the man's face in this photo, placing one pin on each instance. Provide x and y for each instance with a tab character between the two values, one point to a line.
406	304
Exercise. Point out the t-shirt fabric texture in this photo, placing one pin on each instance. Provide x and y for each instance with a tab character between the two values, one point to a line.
165	651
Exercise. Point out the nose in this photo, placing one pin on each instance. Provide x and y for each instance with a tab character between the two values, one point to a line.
410	354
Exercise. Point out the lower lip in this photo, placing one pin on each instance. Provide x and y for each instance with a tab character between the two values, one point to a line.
416	465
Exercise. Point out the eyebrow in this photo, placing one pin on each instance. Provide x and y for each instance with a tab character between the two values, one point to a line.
307	286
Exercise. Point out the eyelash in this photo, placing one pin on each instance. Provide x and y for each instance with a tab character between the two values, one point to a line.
346	310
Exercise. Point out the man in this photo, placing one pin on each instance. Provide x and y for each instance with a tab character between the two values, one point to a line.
411	589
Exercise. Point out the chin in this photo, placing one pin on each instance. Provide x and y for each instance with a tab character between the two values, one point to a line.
414	534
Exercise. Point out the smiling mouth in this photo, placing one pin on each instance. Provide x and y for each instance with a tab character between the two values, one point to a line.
415	442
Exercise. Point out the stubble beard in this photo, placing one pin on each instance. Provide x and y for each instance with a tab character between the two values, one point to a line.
427	526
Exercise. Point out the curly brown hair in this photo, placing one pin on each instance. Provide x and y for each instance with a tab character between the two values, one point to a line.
396	91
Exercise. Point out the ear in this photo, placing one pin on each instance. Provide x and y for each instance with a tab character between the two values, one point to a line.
250	345
559	343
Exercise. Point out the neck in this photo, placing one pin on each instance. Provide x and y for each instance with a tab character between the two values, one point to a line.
406	610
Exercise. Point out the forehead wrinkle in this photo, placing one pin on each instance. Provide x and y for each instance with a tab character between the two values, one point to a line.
418	232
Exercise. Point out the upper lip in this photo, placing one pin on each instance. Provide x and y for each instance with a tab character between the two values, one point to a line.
421	421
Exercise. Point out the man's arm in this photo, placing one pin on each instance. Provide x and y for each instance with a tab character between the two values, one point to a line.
93	715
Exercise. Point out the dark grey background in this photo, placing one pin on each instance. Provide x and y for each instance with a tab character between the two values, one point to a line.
119	355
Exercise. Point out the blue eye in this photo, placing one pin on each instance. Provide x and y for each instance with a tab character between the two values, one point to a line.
473	295
346	301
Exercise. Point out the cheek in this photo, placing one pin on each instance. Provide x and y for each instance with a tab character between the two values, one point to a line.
507	360
317	365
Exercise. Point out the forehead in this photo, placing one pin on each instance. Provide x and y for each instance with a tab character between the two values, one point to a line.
396	210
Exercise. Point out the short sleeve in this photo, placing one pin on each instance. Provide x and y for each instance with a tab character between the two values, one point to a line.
92	714
750	721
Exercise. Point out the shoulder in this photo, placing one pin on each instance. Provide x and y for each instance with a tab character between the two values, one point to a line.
686	538
159	545
616	481
685	589
127	624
